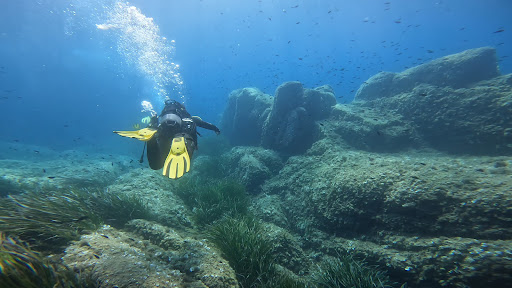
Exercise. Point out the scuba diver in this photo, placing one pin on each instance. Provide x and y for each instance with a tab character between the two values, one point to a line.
171	139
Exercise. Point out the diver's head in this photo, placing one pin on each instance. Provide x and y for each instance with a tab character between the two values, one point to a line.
170	120
174	107
169	101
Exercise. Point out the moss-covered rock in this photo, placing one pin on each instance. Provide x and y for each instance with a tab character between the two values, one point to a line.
245	113
151	256
289	127
319	101
457	71
252	166
458	103
363	199
155	191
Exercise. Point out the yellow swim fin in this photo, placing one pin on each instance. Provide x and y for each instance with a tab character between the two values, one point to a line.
143	134
177	162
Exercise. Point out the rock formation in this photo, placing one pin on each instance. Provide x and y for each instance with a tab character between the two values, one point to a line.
284	123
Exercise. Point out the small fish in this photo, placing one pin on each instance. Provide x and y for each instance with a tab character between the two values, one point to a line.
51	177
44	170
499	31
296	6
36	151
300	58
105	236
97	257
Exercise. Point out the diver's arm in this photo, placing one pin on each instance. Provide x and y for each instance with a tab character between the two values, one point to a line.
203	124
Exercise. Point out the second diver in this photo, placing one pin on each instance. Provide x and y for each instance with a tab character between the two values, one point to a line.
171	139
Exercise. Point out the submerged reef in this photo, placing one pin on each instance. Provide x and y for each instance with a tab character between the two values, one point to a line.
414	175
410	183
458	104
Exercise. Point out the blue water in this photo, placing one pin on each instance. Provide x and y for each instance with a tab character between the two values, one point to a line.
66	84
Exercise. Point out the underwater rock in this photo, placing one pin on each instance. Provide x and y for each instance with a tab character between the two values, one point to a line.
433	262
457	71
287	250
245	113
284	123
318	102
379	85
368	129
69	169
289	127
252	166
269	209
367	197
154	190
457	104
430	194
475	120
151	256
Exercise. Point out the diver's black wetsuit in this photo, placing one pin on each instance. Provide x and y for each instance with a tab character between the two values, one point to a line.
174	121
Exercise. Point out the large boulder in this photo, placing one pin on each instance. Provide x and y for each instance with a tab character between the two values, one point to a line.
289	127
458	104
319	101
457	71
474	120
369	129
252	166
284	123
244	116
